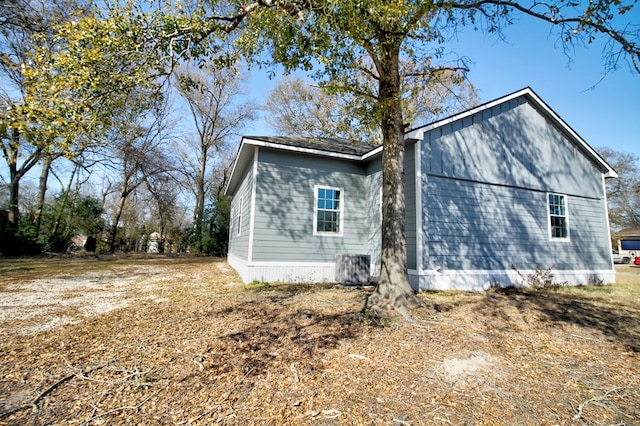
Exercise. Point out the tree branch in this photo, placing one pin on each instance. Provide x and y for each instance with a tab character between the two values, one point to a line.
552	16
37	399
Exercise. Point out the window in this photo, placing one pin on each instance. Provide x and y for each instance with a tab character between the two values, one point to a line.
239	216
558	217
327	211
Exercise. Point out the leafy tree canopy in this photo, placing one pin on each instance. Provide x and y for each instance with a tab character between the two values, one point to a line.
98	65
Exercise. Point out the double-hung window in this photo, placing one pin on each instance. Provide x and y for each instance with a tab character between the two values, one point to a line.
558	217
328	209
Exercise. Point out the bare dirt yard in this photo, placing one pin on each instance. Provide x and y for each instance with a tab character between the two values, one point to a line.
181	341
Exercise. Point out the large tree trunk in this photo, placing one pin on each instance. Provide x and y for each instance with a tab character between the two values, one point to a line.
393	292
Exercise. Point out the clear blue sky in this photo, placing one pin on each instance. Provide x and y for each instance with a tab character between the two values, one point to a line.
605	112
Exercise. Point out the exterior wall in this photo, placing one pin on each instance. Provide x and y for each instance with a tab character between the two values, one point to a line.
374	215
239	243
283	228
511	144
410	205
290	272
476	207
484	187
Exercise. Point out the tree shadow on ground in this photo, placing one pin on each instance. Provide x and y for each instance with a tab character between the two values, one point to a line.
619	323
273	324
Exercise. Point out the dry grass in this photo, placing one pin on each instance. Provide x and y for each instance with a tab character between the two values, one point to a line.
189	344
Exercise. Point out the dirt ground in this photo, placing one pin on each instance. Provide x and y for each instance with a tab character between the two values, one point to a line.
180	340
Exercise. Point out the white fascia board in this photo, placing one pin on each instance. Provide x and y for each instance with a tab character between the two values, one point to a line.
246	149
372	153
418	134
610	173
241	155
304	150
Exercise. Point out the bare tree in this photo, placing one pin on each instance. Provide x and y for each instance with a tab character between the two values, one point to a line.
163	190
297	108
623	193
137	153
219	110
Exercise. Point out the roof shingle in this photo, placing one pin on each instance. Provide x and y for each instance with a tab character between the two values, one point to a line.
337	145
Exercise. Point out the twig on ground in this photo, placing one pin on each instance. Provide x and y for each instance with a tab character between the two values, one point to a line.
36	401
577	336
115	410
596	401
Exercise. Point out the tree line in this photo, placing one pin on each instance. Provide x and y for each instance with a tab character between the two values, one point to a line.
145	168
126	152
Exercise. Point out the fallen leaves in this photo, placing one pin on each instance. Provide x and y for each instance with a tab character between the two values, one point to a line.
214	350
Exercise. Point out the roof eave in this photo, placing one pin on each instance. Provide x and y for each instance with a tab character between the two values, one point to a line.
527	92
241	157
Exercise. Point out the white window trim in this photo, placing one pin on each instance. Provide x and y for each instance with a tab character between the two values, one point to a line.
566	217
239	216
315	211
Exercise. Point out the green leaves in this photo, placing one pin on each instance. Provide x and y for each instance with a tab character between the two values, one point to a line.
96	65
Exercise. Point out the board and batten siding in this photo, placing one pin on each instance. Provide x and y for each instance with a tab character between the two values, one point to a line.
284	208
512	144
474	226
485	181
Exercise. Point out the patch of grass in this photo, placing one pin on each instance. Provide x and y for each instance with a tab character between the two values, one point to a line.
260	285
598	289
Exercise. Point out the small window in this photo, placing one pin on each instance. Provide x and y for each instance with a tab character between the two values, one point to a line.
239	216
558	217
327	211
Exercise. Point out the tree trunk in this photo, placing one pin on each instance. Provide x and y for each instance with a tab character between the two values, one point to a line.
42	191
65	201
198	215
11	154
14	194
114	227
393	292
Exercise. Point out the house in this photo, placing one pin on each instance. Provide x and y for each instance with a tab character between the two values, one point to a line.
496	191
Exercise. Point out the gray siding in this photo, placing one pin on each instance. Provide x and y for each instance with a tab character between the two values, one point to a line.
283	229
473	226
410	204
374	221
485	185
374	211
512	144
239	244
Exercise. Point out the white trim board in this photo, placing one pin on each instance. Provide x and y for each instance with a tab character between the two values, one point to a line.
481	280
290	272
